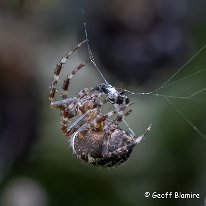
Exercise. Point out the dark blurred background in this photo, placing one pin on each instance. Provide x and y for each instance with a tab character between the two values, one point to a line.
138	45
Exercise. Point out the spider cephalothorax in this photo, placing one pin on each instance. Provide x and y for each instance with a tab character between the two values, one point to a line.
94	136
113	96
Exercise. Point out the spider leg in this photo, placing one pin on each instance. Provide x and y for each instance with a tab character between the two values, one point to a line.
138	139
62	104
65	111
80	106
58	69
131	131
70	108
108	129
121	114
98	125
69	77
85	118
66	107
105	144
84	92
68	131
121	117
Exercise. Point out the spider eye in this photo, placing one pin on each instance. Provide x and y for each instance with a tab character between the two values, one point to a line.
105	90
97	88
111	100
120	100
127	100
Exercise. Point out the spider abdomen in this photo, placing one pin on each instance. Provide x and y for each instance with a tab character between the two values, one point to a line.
90	147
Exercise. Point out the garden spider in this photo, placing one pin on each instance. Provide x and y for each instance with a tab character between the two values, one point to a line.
94	137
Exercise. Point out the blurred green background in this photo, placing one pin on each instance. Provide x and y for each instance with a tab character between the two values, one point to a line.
138	45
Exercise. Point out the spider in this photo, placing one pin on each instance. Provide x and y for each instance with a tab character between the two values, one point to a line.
94	136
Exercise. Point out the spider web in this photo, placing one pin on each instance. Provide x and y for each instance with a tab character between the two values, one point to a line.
191	96
172	81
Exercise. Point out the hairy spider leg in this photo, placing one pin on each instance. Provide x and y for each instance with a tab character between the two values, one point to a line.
138	139
92	119
58	69
87	117
69	104
65	85
98	121
76	108
65	111
68	108
109	130
61	104
120	110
